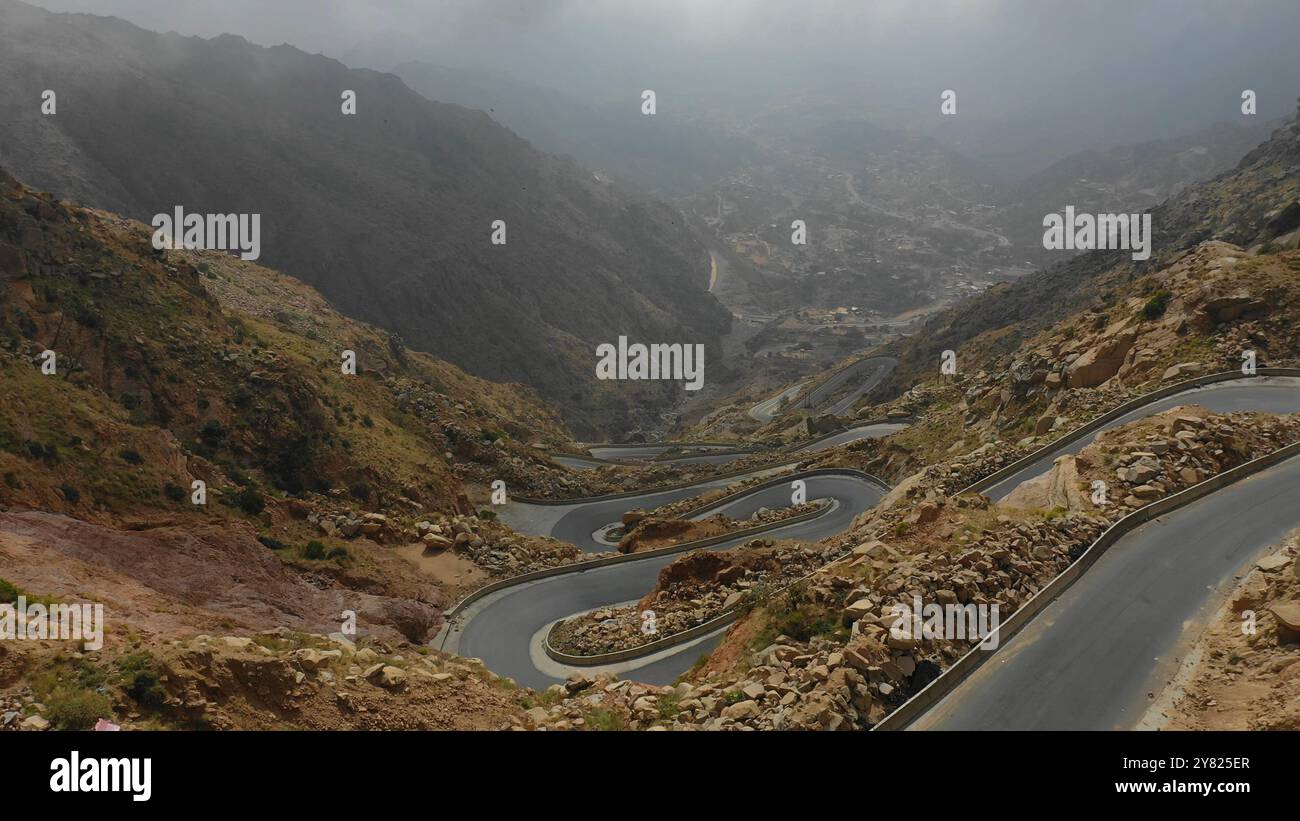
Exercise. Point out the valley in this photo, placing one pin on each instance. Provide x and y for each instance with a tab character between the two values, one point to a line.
492	368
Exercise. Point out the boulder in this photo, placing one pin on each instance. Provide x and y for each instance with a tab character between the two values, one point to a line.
742	710
1251	594
1230	307
1048	423
1058	488
434	542
874	549
1182	423
35	723
1271	564
386	675
1182	370
1146	492
312	659
1102	361
859	609
1288	620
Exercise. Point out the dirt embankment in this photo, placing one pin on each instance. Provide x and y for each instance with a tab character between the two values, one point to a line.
1244	671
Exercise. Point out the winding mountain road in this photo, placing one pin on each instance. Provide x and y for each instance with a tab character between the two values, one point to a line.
1092	656
1087	661
1090	659
767	410
876	369
618	454
1264	394
505	628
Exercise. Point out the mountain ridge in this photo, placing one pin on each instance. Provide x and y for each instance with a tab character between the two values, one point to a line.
389	213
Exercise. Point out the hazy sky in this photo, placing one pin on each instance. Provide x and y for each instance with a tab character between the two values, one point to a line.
1119	70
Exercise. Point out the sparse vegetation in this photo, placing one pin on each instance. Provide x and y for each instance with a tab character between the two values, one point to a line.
1156	306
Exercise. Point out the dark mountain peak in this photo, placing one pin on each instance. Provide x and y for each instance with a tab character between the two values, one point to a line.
388	213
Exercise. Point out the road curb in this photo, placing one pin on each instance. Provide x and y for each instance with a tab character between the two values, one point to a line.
723	619
621	558
796	447
1115	413
627	494
951	678
798	402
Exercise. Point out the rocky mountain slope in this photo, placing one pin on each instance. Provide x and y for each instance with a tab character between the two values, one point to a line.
321	492
178	367
1125	179
1234	679
388	213
177	363
1256	204
1196	315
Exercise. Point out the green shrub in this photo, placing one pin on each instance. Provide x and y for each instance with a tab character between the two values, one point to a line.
314	551
250	501
48	453
70	493
131	457
599	718
174	492
1156	305
213	434
72	708
140	680
9	592
669	705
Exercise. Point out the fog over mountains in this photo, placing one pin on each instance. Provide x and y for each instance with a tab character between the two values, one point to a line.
530	113
578	365
1039	81
389	214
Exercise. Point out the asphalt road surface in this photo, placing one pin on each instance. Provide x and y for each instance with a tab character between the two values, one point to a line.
629	452
1264	394
502	629
877	431
876	369
1087	661
1090	659
766	410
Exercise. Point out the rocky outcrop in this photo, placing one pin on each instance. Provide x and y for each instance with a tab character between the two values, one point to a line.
1058	489
1104	359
